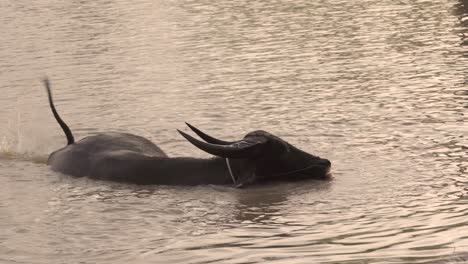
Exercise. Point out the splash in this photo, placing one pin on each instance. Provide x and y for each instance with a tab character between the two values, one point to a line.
23	140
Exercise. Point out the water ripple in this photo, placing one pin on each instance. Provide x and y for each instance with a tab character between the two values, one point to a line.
378	87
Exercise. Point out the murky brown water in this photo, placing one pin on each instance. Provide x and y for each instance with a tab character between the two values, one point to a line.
378	87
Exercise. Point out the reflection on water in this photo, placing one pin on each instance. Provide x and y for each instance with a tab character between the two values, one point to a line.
377	87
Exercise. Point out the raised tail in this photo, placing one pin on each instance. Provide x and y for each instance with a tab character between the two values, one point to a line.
62	124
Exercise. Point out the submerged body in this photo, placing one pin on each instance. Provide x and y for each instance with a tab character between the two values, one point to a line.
124	157
108	156
258	157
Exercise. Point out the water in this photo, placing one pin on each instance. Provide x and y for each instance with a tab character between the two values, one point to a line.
378	87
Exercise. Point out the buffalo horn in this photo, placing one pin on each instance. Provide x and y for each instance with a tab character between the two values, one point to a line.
238	149
208	138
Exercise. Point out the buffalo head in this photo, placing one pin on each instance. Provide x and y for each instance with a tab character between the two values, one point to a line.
261	157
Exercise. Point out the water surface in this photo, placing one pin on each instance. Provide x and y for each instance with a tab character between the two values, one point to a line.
377	87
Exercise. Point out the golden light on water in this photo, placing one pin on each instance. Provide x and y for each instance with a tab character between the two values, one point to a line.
379	88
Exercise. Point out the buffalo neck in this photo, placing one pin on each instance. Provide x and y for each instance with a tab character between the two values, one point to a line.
186	171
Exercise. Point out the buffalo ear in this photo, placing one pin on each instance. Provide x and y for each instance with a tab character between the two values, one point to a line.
238	149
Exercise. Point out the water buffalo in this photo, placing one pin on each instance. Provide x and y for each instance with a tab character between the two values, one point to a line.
258	157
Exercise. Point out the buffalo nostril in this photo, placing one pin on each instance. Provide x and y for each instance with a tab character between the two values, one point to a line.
327	162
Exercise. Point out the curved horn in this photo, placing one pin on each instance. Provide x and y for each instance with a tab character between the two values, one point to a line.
239	149
208	138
